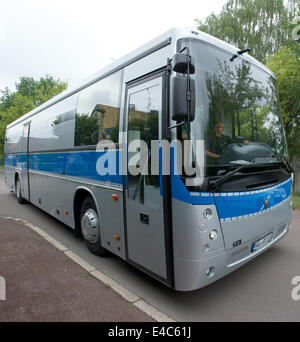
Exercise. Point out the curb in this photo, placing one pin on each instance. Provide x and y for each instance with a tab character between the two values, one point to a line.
121	290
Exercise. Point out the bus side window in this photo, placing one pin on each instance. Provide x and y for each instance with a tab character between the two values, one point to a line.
98	112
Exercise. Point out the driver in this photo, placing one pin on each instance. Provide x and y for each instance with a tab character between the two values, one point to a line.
217	142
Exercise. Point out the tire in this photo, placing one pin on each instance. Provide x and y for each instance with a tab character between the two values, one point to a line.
20	199
90	227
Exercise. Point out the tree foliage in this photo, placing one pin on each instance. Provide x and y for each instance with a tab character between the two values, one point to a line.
28	95
262	25
286	66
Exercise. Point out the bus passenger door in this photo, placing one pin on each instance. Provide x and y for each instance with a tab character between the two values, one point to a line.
25	162
145	227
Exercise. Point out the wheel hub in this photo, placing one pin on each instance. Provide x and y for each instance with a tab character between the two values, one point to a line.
90	226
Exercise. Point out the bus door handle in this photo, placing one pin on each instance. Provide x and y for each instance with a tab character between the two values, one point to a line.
144	218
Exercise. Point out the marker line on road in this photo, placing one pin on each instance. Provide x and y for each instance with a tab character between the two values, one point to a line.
105	279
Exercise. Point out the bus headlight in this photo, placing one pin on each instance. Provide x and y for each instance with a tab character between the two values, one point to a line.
210	272
213	235
207	213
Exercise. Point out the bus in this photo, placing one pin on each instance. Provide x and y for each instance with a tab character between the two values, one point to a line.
173	158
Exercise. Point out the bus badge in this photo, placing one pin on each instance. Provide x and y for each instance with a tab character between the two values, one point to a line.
266	203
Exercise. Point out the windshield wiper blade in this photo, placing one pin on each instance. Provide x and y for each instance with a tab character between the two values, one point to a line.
213	185
240	52
287	165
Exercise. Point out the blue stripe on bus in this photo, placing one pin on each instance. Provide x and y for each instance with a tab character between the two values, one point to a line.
237	204
77	164
15	160
179	190
234	204
84	164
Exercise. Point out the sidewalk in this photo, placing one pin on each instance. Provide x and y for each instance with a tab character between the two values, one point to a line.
44	284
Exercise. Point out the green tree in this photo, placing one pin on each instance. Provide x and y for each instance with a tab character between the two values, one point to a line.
28	95
6	100
262	25
286	66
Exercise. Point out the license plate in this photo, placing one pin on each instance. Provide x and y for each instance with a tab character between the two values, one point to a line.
261	242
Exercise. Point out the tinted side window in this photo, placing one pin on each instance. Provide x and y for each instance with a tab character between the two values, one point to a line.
13	139
143	117
53	128
98	110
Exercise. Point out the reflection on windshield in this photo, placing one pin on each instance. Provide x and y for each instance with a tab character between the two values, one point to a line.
236	110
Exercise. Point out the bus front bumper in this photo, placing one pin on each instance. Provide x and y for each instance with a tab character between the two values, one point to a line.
191	274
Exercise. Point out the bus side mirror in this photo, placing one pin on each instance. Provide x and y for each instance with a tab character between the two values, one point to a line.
180	63
181	100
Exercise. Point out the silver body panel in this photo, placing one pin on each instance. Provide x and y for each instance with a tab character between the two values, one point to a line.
192	262
56	194
256	226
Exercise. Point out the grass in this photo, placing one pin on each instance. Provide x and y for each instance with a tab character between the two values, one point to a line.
296	200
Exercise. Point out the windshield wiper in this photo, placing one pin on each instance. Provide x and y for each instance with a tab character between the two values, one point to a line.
240	52
287	165
213	185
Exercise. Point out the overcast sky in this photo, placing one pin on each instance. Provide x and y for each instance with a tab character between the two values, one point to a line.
71	39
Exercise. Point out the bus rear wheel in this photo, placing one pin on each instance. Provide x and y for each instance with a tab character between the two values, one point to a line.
90	227
20	199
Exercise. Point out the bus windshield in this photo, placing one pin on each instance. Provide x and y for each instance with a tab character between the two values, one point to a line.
237	112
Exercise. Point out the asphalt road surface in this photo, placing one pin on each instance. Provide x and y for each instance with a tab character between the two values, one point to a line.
259	291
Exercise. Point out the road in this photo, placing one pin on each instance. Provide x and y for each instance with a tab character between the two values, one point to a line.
259	291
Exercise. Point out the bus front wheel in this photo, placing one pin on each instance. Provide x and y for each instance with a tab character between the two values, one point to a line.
90	227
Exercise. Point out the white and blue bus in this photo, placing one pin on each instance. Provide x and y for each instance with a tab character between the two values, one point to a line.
214	108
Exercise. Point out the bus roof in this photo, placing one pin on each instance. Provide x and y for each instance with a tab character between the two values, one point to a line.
167	38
